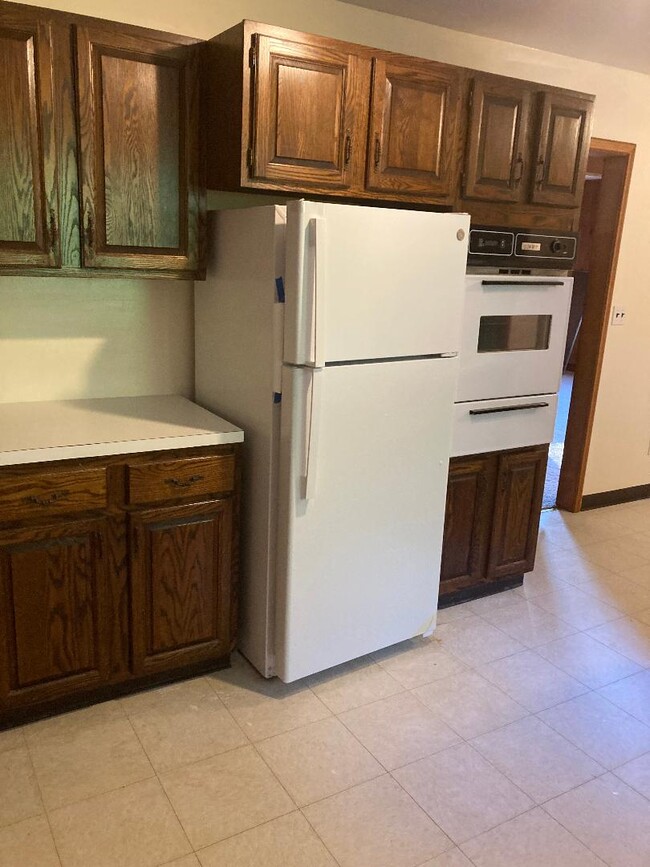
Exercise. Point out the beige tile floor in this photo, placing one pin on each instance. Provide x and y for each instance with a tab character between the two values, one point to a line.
519	736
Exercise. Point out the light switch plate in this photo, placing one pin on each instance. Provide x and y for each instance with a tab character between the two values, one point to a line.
618	315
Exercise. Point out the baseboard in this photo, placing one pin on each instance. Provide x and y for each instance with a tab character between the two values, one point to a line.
614	498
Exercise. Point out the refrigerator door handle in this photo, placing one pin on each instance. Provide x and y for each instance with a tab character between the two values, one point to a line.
318	230
312	424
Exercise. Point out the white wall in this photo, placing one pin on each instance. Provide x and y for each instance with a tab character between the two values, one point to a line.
619	453
65	338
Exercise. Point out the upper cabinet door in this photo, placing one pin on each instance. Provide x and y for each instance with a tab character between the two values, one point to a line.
139	159
497	143
29	231
310	112
413	126
563	148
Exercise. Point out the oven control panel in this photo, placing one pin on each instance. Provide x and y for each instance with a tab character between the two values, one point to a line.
521	248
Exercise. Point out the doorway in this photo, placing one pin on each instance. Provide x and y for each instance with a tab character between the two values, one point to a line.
601	224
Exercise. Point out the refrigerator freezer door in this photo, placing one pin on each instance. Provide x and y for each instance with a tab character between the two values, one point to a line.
365	283
358	562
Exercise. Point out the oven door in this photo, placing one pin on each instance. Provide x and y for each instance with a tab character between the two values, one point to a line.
514	334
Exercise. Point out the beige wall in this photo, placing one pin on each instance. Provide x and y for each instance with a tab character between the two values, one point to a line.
619	452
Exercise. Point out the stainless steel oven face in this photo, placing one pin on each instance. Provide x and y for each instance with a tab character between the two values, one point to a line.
514	333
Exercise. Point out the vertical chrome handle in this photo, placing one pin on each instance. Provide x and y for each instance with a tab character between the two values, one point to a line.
310	475
318	229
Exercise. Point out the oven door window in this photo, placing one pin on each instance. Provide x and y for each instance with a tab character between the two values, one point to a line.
514	333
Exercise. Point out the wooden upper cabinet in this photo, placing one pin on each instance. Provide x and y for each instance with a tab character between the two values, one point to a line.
414	115
309	113
562	149
29	212
498	140
139	157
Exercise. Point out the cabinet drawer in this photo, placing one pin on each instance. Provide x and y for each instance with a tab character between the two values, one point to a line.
43	494
189	478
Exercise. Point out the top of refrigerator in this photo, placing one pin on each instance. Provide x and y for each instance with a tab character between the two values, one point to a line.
366	283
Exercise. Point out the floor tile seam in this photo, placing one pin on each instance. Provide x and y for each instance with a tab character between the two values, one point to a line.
161	786
327	848
336	713
618	706
528	795
569	741
473	665
45	812
159	706
575	676
577	628
390	770
631	785
612	603
615	649
568	830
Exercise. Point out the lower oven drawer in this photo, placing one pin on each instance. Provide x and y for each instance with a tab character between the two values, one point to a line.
508	423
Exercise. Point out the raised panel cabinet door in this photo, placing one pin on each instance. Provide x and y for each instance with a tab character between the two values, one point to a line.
139	160
53	612
562	150
413	128
497	153
29	213
310	114
517	509
181	560
468	516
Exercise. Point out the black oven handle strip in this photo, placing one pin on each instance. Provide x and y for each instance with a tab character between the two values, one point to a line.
507	408
522	282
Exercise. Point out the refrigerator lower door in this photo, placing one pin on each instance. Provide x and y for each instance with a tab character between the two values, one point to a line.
363	472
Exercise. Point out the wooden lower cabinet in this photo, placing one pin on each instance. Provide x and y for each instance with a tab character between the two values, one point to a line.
181	563
98	596
494	503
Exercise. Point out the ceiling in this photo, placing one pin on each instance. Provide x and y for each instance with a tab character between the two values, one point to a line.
615	33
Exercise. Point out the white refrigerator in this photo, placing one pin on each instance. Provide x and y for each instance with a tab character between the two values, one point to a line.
330	334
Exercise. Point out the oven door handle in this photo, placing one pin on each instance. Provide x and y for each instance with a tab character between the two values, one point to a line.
519	406
522	282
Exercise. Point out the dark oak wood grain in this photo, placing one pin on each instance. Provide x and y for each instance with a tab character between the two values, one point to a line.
188	478
414	119
29	215
498	160
53	613
518	505
562	150
139	151
181	575
71	586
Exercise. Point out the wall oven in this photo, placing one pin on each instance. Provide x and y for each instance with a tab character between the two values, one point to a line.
517	300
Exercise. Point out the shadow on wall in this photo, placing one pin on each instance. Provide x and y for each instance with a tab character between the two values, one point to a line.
69	338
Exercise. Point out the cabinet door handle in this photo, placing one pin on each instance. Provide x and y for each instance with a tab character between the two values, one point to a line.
539	173
46	501
347	150
508	408
184	483
519	170
54	232
89	234
377	149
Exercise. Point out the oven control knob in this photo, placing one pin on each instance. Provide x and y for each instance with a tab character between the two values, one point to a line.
558	247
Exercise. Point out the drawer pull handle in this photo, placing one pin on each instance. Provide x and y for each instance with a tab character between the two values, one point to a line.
179	483
507	408
47	501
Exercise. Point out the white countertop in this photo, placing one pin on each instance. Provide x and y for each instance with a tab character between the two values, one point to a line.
62	429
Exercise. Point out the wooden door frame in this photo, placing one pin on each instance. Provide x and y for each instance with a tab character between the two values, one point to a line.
618	158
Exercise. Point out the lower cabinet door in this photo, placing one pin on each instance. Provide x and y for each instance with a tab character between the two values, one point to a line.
518	504
470	500
181	572
53	612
